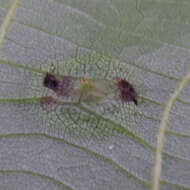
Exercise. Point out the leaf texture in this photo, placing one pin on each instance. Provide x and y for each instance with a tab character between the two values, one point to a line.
97	144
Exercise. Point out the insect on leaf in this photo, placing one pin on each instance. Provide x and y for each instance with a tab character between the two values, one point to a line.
84	100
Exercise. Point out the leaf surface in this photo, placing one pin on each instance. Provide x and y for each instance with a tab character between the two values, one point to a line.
91	145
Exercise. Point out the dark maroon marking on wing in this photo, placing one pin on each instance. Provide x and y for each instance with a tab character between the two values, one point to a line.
48	103
127	91
60	85
64	86
50	82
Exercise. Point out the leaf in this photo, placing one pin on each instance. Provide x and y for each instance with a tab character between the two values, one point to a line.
94	144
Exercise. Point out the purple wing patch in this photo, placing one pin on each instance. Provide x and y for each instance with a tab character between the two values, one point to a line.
127	91
61	86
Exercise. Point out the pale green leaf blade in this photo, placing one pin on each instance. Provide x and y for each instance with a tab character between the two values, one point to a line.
149	38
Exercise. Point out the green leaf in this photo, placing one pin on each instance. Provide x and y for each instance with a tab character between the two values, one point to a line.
91	139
